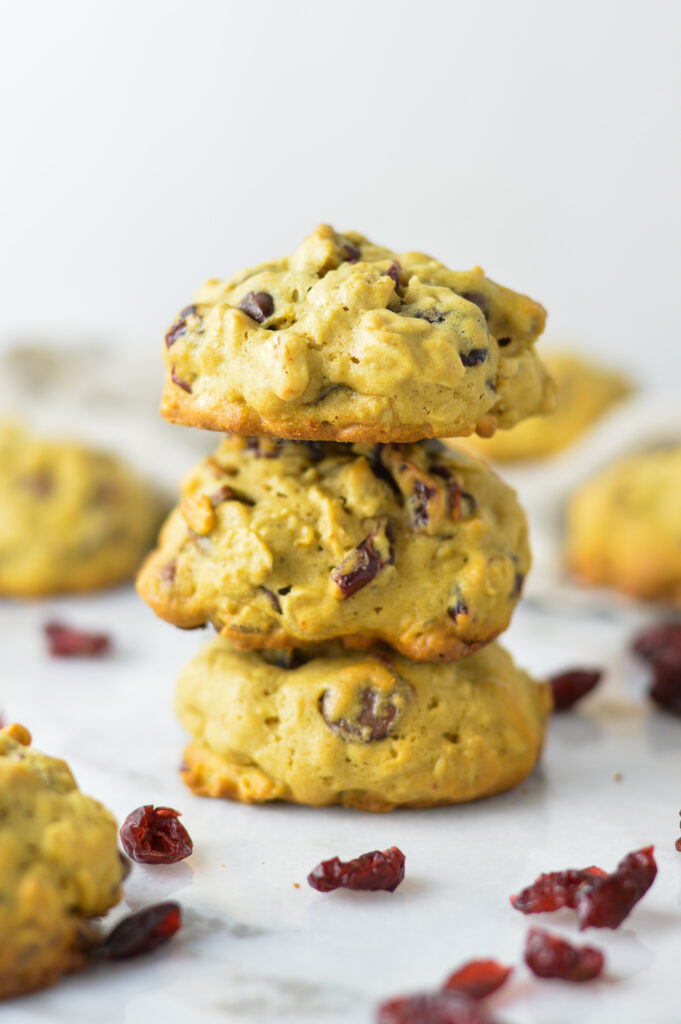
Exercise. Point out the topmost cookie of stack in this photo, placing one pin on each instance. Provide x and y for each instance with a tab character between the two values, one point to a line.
348	341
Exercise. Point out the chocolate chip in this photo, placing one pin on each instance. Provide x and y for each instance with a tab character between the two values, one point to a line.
350	252
518	582
433	316
478	299
378	713
364	563
458	608
284	590
180	383
503	342
393	272
421	505
257	305
474	357
272	598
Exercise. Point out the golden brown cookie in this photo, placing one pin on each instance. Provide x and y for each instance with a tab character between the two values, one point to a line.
71	518
59	867
283	543
584	392
624	526
367	729
346	340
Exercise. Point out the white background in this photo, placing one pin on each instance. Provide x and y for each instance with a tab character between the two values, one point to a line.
147	146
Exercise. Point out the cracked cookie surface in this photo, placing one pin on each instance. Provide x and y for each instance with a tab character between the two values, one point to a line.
623	526
348	341
367	729
281	543
59	867
71	518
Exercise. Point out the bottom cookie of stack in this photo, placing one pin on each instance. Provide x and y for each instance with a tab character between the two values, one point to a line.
367	729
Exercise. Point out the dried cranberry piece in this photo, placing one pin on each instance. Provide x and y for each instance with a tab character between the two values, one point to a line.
154	835
606	901
142	932
176	331
264	447
479	300
569	687
554	890
549	956
677	845
433	1008
39	484
180	383
474	357
661	646
64	642
454	490
382	870
350	252
257	305
662	642
364	563
458	608
478	979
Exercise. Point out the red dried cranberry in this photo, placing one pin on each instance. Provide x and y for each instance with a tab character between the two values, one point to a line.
372	871
154	835
64	642
180	383
677	845
548	956
433	1008
605	902
393	272
364	562
142	932
601	900
569	687
554	890
478	979
661	647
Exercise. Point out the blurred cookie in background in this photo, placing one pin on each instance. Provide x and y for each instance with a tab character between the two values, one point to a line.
72	518
586	390
624	526
60	868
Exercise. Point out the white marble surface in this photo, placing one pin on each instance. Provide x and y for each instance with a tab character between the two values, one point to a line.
257	950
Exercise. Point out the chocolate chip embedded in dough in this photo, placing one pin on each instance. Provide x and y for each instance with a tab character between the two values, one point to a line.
257	305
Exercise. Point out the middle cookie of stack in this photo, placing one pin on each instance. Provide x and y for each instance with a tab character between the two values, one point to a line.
280	544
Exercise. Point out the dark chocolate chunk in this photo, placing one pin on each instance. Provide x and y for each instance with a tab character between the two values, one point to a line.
478	299
257	305
376	718
474	357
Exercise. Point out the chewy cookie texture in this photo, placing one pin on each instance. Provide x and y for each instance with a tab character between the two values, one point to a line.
367	729
59	867
346	340
623	526
279	544
584	392
71	518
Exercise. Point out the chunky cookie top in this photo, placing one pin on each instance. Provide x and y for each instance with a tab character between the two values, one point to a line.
346	340
58	848
279	543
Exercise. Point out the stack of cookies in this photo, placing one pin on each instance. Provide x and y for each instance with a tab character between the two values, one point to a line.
357	570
